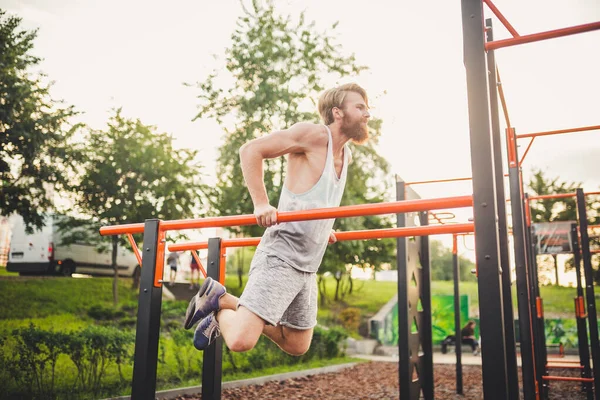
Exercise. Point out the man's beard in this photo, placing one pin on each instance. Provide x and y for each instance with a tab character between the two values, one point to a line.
356	131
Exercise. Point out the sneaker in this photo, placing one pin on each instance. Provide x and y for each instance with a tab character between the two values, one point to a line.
204	302
206	332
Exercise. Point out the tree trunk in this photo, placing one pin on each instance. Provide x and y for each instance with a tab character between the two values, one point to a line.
322	290
337	286
240	269
555	257
115	248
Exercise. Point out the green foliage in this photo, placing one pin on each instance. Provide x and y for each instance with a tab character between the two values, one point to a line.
33	364
36	298
441	264
350	319
103	313
35	149
92	350
276	65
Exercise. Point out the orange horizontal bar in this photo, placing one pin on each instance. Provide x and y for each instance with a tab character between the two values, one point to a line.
562	361
438	181
564	366
536	37
343	236
566	378
305	215
560	195
559	131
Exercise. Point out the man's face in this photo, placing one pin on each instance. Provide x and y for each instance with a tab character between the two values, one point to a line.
356	116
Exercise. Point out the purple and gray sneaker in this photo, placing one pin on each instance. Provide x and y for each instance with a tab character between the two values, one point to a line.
206	332
206	301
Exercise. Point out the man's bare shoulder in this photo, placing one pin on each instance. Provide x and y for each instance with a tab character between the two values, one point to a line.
310	133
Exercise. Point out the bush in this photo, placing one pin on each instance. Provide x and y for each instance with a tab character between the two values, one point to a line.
350	319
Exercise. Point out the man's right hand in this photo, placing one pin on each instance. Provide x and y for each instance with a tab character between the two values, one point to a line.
266	215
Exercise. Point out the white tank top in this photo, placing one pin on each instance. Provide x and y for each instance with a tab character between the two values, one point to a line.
302	244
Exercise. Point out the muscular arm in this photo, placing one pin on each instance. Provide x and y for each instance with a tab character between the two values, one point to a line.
300	138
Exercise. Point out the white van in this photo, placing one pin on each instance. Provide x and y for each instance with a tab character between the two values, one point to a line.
41	252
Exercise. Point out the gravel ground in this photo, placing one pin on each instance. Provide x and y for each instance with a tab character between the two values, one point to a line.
375	380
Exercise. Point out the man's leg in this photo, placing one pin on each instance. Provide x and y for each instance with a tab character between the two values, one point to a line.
241	329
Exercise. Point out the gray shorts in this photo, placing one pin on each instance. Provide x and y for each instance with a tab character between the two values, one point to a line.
280	294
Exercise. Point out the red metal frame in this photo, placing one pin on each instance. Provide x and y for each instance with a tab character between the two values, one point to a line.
559	131
343	236
536	37
566	378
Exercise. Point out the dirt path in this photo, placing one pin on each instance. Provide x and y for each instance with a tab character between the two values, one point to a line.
374	380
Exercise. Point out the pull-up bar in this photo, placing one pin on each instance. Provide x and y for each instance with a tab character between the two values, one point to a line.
559	131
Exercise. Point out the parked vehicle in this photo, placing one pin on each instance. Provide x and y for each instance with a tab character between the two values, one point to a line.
41	252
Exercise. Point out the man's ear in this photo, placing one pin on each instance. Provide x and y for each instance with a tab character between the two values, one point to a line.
338	112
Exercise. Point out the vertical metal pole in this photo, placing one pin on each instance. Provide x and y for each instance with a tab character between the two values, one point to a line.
491	304
589	289
425	331
509	319
538	321
457	327
526	337
212	363
404	356
147	331
582	336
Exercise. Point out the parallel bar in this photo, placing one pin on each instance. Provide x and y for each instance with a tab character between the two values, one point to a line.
559	131
536	37
491	306
305	215
342	236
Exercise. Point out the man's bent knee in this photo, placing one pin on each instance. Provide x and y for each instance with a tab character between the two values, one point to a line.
241	342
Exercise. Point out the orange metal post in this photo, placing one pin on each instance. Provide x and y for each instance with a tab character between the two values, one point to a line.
512	156
536	37
160	257
540	307
454	244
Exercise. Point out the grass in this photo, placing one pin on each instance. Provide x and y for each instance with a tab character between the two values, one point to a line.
48	296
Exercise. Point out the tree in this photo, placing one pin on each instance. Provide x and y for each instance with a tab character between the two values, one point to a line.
551	210
132	173
441	264
277	67
35	156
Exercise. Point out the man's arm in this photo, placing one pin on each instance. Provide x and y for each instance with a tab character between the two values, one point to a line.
300	138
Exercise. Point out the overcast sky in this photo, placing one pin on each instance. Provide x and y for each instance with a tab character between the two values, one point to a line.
136	54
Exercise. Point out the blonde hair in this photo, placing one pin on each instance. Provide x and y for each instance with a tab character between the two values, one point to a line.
334	97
